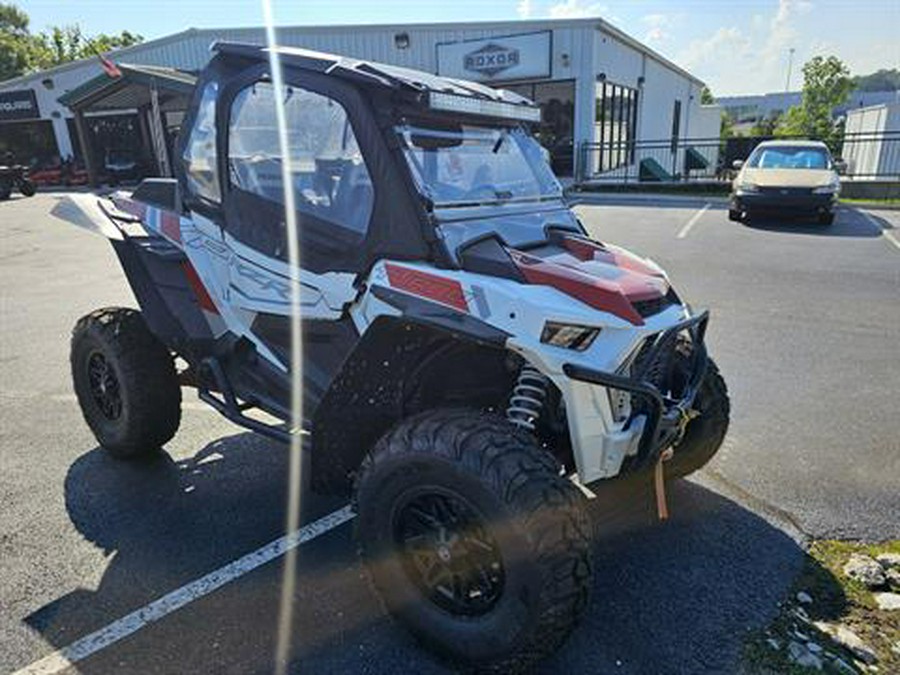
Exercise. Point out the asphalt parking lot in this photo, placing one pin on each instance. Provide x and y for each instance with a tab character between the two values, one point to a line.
805	326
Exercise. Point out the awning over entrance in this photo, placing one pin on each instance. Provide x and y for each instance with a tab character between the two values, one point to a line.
150	90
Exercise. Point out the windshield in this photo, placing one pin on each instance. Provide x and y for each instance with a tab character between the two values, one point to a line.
465	165
786	157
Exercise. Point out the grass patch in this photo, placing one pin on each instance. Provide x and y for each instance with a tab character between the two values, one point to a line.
836	600
871	202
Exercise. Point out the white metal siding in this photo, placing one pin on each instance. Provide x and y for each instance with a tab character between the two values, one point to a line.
872	155
581	49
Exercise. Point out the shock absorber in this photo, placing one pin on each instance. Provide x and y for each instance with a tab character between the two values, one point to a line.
528	397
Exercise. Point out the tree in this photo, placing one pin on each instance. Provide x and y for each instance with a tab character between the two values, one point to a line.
706	96
16	48
22	51
826	85
61	44
880	80
726	126
767	125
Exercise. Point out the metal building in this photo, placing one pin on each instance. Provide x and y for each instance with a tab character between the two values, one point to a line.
595	84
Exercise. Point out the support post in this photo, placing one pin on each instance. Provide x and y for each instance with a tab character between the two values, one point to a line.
87	149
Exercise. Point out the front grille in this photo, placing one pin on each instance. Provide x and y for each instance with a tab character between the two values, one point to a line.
787	191
647	308
661	361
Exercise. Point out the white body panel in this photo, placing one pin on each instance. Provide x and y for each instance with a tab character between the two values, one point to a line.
600	444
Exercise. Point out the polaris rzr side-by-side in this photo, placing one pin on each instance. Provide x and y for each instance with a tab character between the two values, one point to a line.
473	362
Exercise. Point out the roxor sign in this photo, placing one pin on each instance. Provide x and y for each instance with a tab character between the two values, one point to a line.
499	57
492	59
18	105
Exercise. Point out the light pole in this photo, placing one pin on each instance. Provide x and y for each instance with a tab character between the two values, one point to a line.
787	82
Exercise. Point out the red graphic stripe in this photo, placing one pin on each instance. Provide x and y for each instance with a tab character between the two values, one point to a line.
593	291
203	297
440	289
170	225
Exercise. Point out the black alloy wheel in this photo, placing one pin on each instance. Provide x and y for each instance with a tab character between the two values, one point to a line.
104	386
447	551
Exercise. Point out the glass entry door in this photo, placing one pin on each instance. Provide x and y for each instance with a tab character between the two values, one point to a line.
556	131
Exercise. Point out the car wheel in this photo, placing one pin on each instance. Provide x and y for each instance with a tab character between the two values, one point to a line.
125	381
826	218
734	215
473	539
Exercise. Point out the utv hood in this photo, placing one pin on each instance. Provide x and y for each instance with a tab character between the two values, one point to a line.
605	277
798	178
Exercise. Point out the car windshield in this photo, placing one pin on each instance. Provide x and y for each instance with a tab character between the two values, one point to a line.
789	157
465	165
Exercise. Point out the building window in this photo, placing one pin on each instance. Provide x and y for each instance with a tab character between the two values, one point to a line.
676	124
616	122
556	130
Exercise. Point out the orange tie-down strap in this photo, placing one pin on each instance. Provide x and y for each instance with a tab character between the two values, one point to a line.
659	481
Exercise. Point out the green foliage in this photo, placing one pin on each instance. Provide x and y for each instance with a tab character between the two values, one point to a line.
880	80
15	45
61	44
726	126
22	51
826	85
706	96
766	126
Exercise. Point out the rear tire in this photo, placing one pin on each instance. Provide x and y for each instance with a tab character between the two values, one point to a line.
734	216
513	552
826	218
704	434
125	381
27	188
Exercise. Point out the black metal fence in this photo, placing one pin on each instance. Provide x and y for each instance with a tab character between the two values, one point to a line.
868	156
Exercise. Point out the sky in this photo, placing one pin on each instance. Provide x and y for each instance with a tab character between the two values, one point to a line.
735	46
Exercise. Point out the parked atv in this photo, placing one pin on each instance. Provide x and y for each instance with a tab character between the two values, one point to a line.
471	357
12	177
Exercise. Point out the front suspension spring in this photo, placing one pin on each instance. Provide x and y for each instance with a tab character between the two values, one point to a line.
528	396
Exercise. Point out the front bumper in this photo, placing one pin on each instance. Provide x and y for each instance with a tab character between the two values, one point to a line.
783	200
666	417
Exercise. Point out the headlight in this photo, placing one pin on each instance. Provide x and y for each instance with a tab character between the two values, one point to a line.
568	336
748	187
829	189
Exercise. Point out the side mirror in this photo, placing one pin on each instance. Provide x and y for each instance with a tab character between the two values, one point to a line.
840	166
737	164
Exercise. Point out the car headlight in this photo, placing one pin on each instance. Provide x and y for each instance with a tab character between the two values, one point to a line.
748	187
569	336
829	189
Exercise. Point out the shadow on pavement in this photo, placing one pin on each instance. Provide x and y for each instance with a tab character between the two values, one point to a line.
669	598
848	223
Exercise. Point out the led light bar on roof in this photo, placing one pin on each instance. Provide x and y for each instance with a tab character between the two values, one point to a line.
479	106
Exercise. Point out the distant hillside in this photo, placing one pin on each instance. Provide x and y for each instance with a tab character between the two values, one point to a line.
882	80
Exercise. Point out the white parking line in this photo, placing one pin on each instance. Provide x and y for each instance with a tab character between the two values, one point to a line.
890	236
156	610
693	221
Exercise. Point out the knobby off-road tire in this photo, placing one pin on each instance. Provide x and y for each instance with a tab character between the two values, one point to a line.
27	188
125	381
825	218
704	434
511	499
